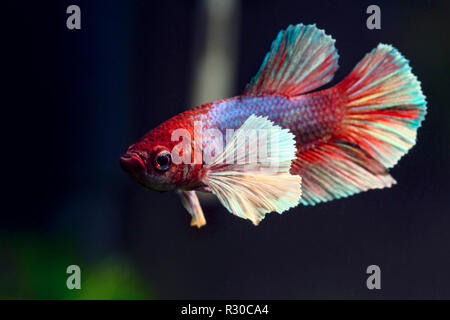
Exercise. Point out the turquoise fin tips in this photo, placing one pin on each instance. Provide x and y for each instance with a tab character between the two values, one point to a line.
301	58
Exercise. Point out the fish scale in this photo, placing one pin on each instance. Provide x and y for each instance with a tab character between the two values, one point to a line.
310	117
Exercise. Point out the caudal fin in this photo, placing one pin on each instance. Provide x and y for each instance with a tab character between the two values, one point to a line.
384	105
383	108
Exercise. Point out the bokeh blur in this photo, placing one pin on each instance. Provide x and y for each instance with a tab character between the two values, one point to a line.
82	97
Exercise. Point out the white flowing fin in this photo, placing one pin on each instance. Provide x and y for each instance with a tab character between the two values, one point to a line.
190	201
251	175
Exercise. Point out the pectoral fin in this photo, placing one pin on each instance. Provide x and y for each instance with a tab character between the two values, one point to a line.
255	184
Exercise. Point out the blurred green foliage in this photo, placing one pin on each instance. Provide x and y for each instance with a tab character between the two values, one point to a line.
34	268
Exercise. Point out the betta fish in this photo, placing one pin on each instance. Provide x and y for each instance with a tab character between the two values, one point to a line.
330	143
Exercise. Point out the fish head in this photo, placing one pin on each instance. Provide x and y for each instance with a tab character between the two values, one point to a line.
151	162
152	167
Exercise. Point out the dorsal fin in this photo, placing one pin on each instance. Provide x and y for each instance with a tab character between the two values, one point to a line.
301	58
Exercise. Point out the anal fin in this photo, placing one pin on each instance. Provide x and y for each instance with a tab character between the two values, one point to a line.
338	169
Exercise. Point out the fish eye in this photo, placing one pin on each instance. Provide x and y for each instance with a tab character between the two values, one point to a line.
163	160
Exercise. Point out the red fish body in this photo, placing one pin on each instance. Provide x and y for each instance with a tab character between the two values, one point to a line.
344	139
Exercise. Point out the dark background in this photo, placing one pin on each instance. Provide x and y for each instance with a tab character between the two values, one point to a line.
74	100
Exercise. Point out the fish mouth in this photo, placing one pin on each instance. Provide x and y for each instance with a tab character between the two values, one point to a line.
132	164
